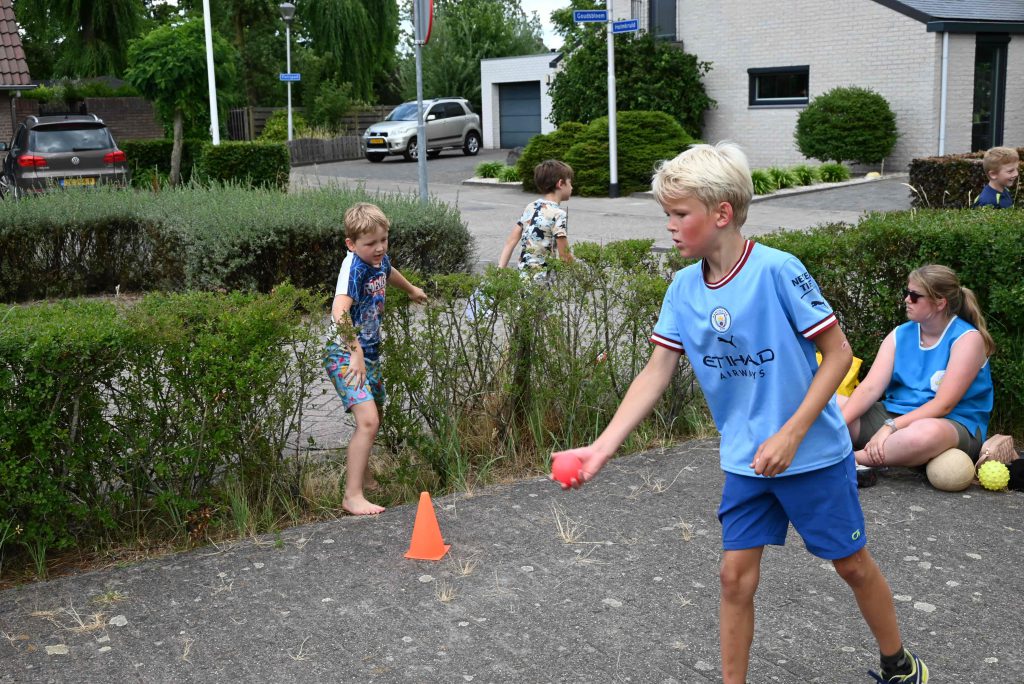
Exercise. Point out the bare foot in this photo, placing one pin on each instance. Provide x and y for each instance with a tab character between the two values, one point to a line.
358	505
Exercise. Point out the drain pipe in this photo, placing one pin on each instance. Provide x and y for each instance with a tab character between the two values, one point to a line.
943	93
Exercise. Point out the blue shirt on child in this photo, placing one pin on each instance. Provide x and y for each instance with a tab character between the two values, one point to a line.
990	197
366	285
748	338
918	371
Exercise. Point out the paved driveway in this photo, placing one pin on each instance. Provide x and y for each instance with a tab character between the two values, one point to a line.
451	168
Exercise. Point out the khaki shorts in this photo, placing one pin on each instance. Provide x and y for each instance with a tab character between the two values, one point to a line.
872	421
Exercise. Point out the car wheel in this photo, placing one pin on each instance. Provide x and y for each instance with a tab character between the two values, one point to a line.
412	150
433	154
472	145
375	157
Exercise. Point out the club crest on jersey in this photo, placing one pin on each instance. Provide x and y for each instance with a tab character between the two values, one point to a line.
721	319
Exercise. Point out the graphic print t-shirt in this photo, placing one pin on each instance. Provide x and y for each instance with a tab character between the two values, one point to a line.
543	223
365	284
749	341
990	197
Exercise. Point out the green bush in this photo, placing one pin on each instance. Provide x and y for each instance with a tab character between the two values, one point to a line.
833	173
784	178
508	174
764	182
863	269
806	175
250	164
488	169
276	127
953	181
847	124
149	158
117	420
554	145
73	243
644	139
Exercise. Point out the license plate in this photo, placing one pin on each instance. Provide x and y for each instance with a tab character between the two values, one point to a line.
77	182
378	141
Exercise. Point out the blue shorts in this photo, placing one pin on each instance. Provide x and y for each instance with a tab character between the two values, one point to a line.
822	504
336	362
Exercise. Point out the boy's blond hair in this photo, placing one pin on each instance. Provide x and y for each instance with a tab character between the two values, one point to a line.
997	157
362	218
709	173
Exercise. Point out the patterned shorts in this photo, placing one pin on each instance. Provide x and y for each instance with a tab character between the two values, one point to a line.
336	362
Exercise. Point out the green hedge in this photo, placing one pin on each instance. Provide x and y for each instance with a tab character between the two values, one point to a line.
74	243
552	145
953	181
863	270
147	158
644	139
113	417
250	164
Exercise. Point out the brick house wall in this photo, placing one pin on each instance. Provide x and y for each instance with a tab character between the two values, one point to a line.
129	118
858	42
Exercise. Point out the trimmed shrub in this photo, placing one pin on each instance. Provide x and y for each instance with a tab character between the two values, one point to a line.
764	182
847	124
73	243
508	174
953	181
806	175
554	145
276	127
644	139
863	269
250	164
149	158
833	173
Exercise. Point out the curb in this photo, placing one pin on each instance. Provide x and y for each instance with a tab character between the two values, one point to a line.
489	181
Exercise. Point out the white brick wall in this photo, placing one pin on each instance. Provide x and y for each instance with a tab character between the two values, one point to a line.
513	70
845	42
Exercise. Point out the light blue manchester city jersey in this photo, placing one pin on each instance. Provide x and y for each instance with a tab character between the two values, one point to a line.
748	338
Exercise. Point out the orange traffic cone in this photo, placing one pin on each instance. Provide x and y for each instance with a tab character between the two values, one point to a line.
427	543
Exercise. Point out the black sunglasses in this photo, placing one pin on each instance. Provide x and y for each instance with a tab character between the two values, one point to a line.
914	296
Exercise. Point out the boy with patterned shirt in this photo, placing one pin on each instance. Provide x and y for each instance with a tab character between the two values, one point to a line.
541	231
353	366
749	318
1002	166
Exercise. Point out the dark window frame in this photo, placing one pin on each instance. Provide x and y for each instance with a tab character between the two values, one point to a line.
755	74
660	13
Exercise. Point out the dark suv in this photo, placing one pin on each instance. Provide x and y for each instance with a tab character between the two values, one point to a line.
71	150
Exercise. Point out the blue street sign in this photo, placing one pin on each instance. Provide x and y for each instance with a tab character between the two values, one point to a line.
627	26
580	16
290	77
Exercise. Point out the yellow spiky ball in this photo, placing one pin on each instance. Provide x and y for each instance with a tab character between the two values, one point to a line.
994	475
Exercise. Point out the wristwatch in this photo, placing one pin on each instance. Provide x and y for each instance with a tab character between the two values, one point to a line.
891	423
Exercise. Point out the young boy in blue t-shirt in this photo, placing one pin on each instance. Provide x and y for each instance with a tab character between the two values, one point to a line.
749	318
353	365
1001	166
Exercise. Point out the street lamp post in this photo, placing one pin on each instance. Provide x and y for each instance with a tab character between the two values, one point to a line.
287	10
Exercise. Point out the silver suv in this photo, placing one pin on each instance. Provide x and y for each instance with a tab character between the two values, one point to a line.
450	123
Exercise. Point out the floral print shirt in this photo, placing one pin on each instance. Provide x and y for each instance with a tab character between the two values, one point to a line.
543	222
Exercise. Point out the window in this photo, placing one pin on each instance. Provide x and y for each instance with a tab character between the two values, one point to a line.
779	86
453	109
662	19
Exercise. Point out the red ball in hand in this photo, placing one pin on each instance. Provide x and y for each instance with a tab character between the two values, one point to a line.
566	468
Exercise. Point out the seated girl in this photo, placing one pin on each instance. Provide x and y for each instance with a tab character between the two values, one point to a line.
932	376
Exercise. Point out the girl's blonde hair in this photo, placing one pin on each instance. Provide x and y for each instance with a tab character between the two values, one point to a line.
941	282
709	173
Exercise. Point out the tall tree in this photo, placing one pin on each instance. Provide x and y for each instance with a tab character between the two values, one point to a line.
464	32
89	37
168	66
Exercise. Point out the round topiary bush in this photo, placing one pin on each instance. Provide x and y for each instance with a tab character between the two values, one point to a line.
552	145
644	139
847	124
276	127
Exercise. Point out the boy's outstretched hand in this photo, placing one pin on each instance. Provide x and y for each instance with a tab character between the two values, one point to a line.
775	454
417	295
591	461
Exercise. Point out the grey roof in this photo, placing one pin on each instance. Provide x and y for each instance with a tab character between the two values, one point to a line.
959	10
13	67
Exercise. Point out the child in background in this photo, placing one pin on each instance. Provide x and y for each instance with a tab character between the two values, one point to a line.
542	229
1002	166
749	318
354	365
